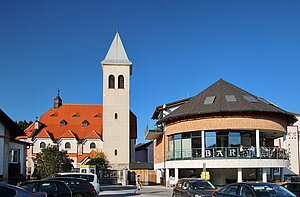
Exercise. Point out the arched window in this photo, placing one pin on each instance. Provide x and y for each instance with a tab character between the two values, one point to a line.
42	145
116	152
67	145
85	123
111	81
92	145
116	115
121	81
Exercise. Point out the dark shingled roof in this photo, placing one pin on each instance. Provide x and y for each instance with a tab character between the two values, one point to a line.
241	102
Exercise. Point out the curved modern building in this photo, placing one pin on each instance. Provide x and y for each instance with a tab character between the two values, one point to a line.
225	131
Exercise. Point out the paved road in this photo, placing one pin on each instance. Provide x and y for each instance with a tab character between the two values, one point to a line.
147	191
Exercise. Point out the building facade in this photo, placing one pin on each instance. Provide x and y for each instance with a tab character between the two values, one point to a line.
82	129
12	152
225	131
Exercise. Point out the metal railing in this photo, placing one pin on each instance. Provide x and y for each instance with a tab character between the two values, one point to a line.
229	152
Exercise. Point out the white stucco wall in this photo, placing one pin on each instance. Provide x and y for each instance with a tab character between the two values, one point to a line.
73	143
86	145
36	147
22	149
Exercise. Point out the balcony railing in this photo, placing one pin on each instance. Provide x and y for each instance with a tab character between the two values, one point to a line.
229	153
152	133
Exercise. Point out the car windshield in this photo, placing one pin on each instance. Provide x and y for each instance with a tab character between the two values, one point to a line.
272	190
199	184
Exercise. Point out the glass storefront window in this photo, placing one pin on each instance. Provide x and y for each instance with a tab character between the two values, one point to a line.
210	139
234	139
177	146
186	145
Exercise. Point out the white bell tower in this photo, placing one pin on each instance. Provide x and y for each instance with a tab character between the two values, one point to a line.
116	105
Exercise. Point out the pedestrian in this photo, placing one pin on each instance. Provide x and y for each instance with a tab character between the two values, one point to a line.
138	185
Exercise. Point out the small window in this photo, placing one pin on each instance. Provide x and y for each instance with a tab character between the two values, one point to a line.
230	98
42	145
67	145
63	123
92	145
97	115
121	81
209	100
53	115
111	81
116	152
116	115
76	115
85	123
14	155
251	99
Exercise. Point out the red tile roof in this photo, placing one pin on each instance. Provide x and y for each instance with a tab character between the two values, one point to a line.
52	118
43	134
68	134
92	135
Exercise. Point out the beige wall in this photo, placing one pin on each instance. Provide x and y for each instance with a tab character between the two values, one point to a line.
116	131
228	122
36	144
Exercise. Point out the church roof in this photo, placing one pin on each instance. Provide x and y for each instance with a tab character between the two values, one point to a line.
72	115
116	53
43	134
92	135
224	97
68	134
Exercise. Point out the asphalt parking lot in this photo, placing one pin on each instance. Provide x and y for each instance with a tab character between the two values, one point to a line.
146	191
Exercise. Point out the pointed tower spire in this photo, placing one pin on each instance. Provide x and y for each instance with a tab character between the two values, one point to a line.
116	53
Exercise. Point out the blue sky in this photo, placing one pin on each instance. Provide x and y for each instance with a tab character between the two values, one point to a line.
178	49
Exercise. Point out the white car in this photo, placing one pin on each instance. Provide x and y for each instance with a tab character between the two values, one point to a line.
92	178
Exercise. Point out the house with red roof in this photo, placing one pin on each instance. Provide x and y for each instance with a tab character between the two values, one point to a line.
82	129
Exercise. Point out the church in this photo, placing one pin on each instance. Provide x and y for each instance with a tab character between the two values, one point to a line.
82	129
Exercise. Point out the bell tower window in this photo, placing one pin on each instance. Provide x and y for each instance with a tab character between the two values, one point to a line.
116	115
121	82
111	81
116	152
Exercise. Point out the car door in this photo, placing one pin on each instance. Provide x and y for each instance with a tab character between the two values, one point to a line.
178	189
54	189
229	191
246	191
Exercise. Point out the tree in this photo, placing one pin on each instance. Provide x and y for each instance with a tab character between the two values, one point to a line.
51	161
100	160
23	124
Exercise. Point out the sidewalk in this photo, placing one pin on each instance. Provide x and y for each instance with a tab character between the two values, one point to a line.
146	191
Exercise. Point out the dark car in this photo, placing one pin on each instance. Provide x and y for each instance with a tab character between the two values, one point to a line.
53	188
293	187
193	187
79	187
8	190
253	190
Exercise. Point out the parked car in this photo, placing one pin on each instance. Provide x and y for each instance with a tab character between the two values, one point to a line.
8	190
92	178
193	187
293	187
79	187
53	188
253	190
